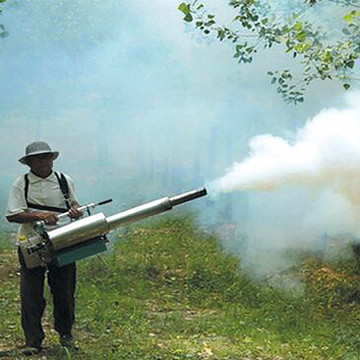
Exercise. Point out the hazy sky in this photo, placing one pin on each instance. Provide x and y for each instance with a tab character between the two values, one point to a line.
125	82
138	104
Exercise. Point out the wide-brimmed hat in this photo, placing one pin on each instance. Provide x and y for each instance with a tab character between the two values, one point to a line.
37	148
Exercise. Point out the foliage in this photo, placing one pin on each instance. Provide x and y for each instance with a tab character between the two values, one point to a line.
322	55
1	2
3	32
168	291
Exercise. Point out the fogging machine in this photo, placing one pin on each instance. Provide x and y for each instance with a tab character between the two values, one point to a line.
85	237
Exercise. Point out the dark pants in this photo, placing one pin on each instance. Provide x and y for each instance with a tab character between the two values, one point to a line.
62	281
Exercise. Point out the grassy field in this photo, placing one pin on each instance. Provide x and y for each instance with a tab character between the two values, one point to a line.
167	291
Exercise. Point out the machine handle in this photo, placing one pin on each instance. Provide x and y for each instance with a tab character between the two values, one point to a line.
104	202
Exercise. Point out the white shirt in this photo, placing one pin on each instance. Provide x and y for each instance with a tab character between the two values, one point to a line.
41	192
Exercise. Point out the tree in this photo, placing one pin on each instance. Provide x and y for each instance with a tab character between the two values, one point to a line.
324	54
72	25
3	32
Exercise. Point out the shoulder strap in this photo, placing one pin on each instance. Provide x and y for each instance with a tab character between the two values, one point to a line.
64	187
26	188
46	208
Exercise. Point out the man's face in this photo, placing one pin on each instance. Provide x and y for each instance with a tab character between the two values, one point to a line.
41	165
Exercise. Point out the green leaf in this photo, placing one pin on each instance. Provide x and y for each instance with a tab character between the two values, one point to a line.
346	86
301	36
350	64
184	8
349	17
188	18
297	26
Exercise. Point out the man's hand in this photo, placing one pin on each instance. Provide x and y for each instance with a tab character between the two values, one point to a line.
75	213
49	218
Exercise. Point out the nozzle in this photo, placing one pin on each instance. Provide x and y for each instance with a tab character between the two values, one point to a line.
188	196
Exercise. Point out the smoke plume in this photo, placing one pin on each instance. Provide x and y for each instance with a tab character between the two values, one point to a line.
325	153
304	190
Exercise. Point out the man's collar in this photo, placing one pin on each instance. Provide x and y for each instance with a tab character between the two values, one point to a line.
34	178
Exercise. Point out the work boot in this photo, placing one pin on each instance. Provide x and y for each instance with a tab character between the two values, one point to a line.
29	350
67	341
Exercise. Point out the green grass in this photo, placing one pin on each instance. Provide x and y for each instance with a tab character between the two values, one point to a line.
167	291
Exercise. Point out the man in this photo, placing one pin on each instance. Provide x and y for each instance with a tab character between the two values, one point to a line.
42	194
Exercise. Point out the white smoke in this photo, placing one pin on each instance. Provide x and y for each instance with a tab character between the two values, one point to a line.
304	190
325	153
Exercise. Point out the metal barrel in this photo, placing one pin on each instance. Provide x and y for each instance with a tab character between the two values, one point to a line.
188	196
98	225
152	208
78	231
138	213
